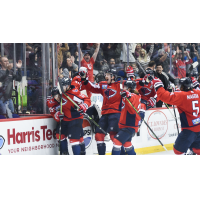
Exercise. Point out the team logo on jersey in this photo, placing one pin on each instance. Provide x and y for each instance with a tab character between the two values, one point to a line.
145	91
89	66
104	87
123	104
64	101
110	93
88	134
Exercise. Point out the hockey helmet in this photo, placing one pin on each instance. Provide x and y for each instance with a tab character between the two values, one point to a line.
66	81
149	71
186	83
83	71
54	91
112	72
130	84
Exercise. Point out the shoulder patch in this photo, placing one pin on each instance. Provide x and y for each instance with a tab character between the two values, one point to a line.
104	87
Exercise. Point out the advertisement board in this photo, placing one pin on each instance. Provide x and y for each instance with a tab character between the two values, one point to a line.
27	136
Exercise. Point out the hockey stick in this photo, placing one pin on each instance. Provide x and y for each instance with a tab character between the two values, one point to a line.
146	124
170	110
62	92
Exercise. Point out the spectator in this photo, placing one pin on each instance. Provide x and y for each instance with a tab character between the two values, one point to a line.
124	53
72	48
164	78
164	59
61	49
100	61
70	65
144	58
138	48
135	70
180	64
6	78
88	62
112	64
111	50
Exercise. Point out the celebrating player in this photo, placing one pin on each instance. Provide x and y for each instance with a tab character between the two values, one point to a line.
71	124
53	103
147	92
112	103
129	120
187	102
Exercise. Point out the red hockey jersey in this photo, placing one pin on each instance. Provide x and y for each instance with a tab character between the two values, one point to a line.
76	81
53	105
146	91
188	106
112	100
68	108
181	66
129	118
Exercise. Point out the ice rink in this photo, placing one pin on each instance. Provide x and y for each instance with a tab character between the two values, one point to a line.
161	153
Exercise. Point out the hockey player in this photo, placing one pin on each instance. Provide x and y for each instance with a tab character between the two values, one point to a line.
53	103
111	109
129	120
147	92
71	124
76	81
187	102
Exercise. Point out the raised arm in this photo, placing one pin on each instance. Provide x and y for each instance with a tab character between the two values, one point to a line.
96	52
151	50
80	53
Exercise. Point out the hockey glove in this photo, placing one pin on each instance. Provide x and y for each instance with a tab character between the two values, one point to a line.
151	102
195	82
129	72
147	79
58	116
83	108
125	94
157	84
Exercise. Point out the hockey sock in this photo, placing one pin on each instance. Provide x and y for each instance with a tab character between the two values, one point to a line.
122	151
76	149
130	150
82	145
101	148
116	150
64	147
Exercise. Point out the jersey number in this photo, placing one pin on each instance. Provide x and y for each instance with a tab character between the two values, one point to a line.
194	107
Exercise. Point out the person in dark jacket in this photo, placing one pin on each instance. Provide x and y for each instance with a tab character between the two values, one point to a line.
164	78
7	76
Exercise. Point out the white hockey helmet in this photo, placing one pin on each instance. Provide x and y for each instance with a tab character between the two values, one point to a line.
83	71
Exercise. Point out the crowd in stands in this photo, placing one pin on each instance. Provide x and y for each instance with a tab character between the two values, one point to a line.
98	57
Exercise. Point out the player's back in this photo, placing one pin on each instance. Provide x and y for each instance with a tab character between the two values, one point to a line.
129	118
53	105
188	107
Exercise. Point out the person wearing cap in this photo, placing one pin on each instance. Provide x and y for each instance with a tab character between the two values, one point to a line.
88	62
